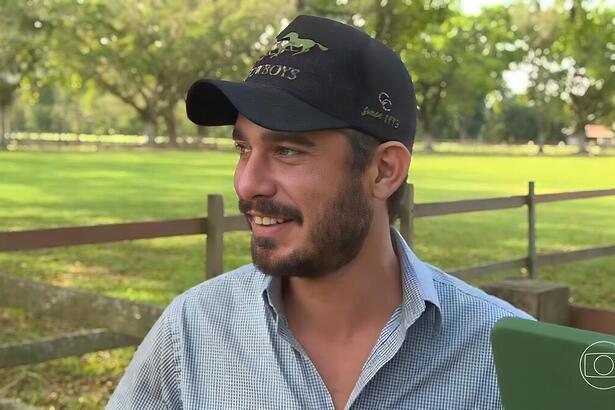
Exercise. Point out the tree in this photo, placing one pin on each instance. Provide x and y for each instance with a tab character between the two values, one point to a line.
457	63
454	60
571	55
590	81
394	22
21	49
147	53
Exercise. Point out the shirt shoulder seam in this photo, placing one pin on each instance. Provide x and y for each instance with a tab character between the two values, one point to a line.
475	296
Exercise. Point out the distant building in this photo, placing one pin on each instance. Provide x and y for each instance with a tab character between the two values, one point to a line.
599	134
596	135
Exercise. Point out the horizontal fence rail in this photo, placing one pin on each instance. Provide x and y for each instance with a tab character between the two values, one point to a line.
591	318
573	256
566	196
216	224
83	308
73	344
468	205
119	322
86	235
477	271
125	323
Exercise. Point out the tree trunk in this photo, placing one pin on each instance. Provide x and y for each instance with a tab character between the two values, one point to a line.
464	135
427	135
541	143
169	120
151	131
4	130
384	11
428	141
202	131
582	140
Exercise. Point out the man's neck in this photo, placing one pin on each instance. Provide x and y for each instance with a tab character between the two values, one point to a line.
363	294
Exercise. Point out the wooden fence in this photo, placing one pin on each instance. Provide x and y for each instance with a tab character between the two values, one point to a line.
118	322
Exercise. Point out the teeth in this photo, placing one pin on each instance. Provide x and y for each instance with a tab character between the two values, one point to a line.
266	220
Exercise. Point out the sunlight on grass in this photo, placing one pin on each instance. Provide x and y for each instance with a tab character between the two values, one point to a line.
40	190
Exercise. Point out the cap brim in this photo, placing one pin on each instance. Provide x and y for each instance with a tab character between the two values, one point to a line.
217	102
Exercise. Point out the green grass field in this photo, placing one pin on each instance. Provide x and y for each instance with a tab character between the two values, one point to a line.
41	190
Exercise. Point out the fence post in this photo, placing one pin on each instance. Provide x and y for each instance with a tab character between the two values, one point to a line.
406	214
531	231
214	252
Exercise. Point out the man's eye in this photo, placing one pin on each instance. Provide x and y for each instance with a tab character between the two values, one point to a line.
241	149
287	152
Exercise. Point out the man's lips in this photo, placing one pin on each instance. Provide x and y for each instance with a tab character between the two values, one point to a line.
266	220
266	226
264	208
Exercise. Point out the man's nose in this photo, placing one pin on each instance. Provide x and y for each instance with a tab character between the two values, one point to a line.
253	177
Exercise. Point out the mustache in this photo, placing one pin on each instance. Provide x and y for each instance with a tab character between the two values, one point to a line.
269	207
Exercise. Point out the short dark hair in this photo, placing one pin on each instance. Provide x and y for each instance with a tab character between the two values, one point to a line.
363	147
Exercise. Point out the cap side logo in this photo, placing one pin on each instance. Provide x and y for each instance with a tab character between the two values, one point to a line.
385	101
295	44
383	116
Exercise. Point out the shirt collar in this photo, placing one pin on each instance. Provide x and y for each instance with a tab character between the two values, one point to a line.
419	292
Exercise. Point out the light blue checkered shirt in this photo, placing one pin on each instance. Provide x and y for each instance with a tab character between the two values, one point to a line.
224	344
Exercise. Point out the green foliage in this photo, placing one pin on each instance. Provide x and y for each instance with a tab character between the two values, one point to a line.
147	53
572	58
515	120
21	45
21	51
124	66
456	64
455	60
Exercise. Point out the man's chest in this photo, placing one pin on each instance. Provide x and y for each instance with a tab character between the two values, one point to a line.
339	363
290	381
255	364
339	366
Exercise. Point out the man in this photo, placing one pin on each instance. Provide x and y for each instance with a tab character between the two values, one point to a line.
336	312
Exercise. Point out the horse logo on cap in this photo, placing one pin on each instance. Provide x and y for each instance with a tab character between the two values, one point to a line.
295	44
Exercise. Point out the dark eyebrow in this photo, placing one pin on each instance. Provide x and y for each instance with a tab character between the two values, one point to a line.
292	138
278	137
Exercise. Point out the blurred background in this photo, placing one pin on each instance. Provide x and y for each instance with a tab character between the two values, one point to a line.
538	72
93	131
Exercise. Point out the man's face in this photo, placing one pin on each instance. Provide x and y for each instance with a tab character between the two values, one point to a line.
308	214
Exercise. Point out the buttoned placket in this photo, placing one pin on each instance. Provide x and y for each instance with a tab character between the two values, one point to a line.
320	397
388	344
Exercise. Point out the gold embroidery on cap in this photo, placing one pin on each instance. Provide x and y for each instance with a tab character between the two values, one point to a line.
275	70
295	44
388	119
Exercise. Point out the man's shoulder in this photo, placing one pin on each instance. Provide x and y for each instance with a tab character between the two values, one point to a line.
224	295
461	299
242	279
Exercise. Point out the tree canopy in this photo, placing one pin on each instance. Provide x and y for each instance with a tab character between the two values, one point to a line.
97	66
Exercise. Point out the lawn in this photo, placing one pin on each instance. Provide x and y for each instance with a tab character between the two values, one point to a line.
41	190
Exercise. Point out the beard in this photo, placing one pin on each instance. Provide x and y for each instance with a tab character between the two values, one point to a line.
334	239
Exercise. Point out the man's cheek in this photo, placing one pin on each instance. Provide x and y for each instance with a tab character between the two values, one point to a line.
236	179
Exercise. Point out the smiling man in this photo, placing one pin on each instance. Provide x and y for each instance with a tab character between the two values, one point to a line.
336	312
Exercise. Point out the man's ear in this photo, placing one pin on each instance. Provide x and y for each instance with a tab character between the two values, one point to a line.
389	168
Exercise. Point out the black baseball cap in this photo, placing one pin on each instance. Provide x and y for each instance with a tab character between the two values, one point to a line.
320	74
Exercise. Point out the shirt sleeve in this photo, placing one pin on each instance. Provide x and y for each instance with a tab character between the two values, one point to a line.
151	380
